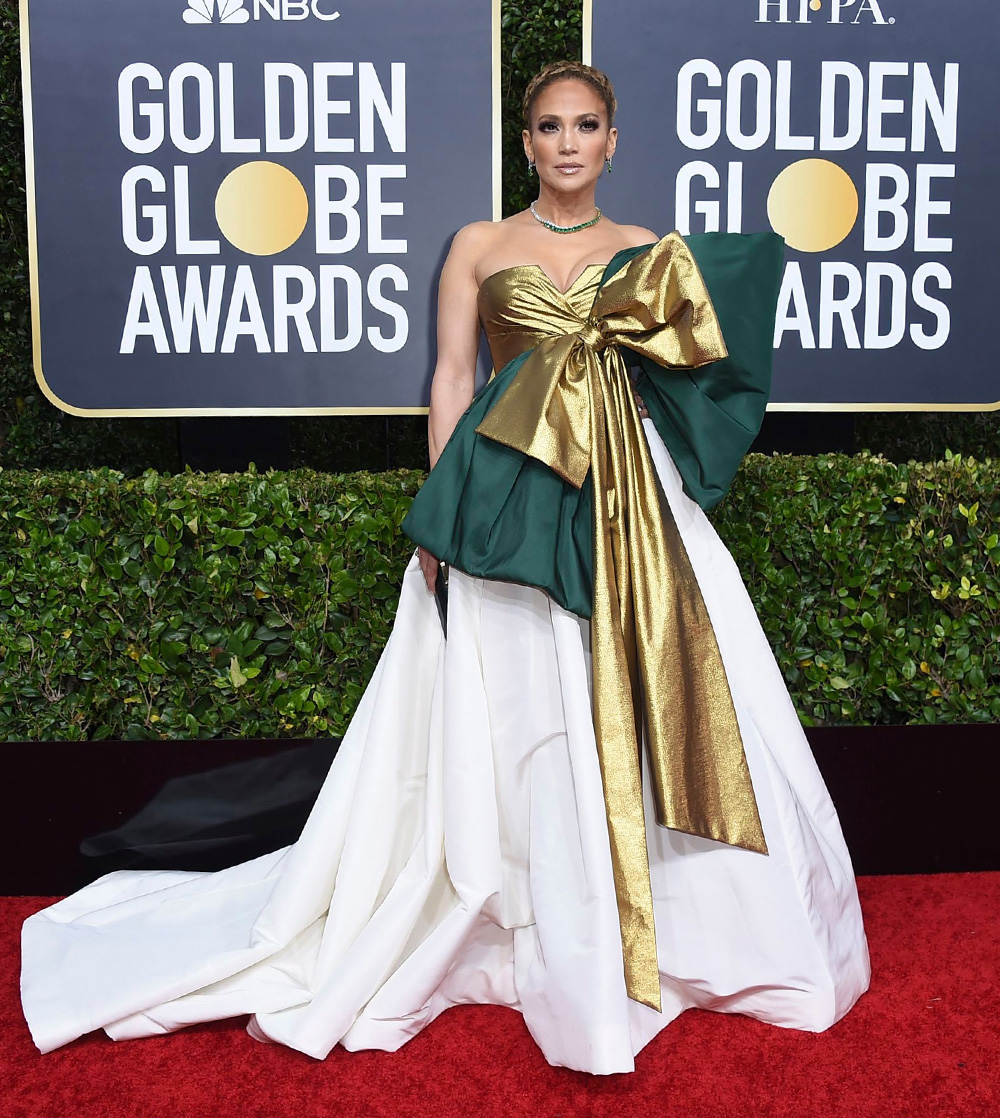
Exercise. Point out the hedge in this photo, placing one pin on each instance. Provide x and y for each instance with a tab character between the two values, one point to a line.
198	606
193	606
34	434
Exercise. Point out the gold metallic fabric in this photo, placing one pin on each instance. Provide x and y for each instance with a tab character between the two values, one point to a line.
655	656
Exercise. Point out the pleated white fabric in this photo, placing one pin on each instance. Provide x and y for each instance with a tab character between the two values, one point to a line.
458	852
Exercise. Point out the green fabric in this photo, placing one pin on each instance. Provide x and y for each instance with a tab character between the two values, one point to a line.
708	417
495	513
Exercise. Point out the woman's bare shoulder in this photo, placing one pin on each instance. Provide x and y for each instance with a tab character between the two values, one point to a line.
635	235
481	244
477	237
472	242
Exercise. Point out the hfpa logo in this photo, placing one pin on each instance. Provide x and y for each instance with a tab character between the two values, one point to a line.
801	11
235	11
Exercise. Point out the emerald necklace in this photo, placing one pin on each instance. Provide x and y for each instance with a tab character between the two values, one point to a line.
565	228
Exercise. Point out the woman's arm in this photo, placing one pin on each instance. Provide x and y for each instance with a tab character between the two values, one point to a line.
454	382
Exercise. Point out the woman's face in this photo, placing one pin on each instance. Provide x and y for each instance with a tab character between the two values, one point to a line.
569	138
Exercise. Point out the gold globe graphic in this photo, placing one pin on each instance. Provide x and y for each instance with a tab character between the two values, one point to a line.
813	204
261	208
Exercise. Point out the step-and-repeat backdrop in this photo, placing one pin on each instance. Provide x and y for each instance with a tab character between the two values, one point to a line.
867	133
243	205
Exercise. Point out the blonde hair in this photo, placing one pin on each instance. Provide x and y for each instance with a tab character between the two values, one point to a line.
568	70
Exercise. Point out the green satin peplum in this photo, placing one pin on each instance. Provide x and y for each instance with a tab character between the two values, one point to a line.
493	512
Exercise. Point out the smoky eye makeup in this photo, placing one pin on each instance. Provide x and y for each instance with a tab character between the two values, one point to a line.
589	124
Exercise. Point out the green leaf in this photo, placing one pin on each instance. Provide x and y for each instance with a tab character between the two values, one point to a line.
236	676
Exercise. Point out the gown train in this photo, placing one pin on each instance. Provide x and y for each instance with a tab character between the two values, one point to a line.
458	852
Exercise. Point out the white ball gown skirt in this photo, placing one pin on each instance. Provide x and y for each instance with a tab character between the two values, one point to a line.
458	852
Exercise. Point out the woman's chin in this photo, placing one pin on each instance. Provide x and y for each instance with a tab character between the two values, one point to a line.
562	183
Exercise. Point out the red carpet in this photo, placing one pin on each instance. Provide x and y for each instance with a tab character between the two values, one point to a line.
924	1042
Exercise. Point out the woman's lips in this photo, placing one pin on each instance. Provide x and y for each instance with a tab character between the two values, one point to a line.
568	168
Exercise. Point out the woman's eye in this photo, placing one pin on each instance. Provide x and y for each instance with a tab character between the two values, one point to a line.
548	126
589	125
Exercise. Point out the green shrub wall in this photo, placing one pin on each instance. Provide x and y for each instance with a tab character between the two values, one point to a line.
34	434
199	606
193	606
142	605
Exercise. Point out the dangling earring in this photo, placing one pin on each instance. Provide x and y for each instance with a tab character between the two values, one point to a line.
607	164
531	166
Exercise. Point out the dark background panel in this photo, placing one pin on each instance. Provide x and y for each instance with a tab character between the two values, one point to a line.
911	799
85	270
645	69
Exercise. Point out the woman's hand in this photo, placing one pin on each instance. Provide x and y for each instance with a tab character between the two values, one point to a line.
641	405
429	566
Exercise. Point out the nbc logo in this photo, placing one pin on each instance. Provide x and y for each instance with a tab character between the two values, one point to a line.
206	11
236	11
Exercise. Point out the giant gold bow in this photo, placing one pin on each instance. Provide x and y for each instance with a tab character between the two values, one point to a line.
570	405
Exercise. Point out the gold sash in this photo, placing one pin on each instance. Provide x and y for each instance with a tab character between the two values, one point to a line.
570	405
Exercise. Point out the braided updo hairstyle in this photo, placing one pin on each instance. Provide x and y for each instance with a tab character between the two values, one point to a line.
566	71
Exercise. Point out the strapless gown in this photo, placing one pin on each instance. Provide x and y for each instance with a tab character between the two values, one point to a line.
459	853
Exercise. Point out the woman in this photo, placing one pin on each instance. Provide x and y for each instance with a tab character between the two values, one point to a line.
486	833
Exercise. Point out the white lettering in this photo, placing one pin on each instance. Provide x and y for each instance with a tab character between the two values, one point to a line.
793	309
767	5
323	15
710	108
782	9
750	114
871	6
182	220
203	139
228	140
879	106
940	311
372	101
734	218
829	138
697	169
326	207
761	76
155	214
943	111
837	8
397	313
152	112
894	207
875	273
329	274
143	299
783	138
324	108
244	295
378	209
275	73
297	310
832	305
193	308
925	207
